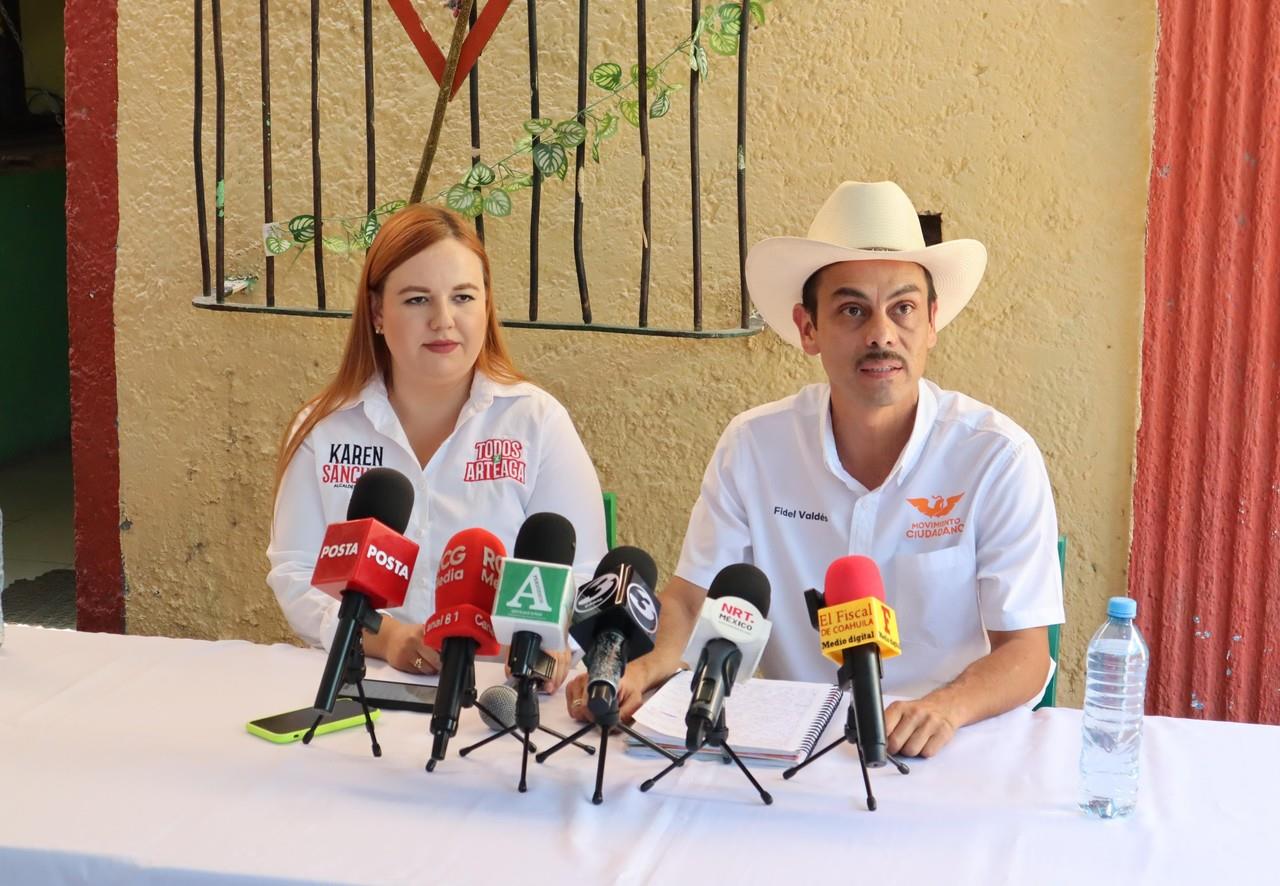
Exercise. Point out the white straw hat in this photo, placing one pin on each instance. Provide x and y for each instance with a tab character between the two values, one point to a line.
859	222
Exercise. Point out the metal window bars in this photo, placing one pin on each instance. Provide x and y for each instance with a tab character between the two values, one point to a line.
211	299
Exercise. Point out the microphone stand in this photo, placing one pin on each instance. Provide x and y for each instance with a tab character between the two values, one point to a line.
471	699
353	668
526	721
605	722
718	737
851	736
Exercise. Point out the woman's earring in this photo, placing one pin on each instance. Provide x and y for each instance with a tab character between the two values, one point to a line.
378	330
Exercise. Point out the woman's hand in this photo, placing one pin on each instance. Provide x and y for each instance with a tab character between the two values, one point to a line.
562	660
631	690
400	645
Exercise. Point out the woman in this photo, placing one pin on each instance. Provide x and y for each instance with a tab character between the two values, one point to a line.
426	386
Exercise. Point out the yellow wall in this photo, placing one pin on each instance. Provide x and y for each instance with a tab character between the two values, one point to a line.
1026	125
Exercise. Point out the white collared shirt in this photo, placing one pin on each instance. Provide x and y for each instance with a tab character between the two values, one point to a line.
513	452
963	530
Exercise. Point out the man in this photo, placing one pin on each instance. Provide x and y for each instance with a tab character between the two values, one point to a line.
948	496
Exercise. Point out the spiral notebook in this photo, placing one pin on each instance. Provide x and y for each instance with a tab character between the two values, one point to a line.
776	721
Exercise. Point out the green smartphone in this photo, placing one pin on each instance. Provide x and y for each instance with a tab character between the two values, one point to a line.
282	728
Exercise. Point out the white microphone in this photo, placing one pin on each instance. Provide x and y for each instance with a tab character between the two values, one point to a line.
727	643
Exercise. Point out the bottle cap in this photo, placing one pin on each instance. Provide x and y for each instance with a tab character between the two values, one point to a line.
1122	607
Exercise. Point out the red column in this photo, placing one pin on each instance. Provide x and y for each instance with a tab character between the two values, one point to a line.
1205	564
93	219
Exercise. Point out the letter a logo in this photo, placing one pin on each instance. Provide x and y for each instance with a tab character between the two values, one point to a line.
533	590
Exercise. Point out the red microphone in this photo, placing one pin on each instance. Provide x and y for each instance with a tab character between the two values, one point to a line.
366	563
852	578
855	611
461	628
465	587
858	630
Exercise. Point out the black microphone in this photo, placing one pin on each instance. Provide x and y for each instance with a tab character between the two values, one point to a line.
539	576
615	618
545	539
731	628
384	494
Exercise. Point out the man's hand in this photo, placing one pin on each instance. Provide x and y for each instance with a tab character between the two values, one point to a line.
400	645
681	602
630	693
918	728
1011	674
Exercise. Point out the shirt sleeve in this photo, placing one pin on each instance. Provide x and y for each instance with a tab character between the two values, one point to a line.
718	534
297	529
566	484
1019	579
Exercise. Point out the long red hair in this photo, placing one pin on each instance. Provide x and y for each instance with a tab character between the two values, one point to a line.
403	236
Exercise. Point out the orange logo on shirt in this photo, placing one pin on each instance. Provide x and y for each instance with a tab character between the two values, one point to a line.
937	507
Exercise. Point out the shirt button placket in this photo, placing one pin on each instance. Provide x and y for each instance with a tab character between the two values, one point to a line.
864	516
422	488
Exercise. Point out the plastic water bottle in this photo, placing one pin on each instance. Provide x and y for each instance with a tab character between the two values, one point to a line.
1115	688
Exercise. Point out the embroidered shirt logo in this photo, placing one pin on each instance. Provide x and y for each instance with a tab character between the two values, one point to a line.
496	459
799	514
937	507
347	462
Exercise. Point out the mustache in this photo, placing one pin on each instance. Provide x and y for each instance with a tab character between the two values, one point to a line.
882	355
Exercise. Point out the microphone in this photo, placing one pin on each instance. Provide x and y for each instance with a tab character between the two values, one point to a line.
530	609
858	631
460	628
615	618
535	590
728	640
497	706
365	562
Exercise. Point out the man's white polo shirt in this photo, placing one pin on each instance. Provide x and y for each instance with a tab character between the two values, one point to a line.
513	452
963	530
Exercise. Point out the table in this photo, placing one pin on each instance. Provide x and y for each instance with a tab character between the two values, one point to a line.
125	760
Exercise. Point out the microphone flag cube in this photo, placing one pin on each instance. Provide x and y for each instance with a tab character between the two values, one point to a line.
534	592
367	557
856	622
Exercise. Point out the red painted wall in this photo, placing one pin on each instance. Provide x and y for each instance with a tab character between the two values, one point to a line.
93	219
1205	563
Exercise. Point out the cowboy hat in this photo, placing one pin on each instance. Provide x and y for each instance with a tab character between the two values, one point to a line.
860	221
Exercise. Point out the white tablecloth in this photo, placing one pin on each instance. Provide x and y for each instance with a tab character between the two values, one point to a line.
125	760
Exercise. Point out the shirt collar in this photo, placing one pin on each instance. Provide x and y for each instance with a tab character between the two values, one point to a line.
377	408
377	405
926	413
